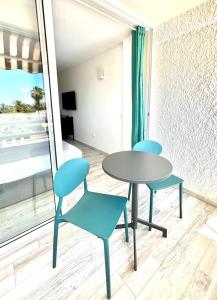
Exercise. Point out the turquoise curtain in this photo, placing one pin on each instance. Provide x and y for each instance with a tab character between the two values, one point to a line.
138	118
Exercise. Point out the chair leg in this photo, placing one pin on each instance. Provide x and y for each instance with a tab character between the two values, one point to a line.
180	200
107	268
151	207
34	183
126	224
129	192
134	249
44	183
33	186
55	240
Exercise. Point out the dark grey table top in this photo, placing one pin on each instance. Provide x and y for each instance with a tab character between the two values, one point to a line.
137	167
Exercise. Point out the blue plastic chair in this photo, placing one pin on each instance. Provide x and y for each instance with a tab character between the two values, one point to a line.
160	185
148	146
155	148
95	212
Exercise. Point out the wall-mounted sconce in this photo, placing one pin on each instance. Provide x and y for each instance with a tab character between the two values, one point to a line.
100	73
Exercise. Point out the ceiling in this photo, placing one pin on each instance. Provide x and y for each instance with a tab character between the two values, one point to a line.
19	13
81	33
155	12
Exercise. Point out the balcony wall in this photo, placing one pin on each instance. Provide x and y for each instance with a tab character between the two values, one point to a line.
184	97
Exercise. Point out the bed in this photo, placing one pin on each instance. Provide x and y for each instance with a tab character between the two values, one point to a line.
26	169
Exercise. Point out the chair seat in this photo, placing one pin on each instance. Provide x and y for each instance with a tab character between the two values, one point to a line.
160	185
97	213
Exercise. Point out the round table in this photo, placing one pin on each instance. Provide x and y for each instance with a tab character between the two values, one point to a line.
137	167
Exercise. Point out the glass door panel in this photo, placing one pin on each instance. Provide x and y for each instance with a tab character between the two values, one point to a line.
26	189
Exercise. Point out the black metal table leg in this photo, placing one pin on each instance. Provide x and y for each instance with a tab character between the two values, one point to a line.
120	226
152	225
134	219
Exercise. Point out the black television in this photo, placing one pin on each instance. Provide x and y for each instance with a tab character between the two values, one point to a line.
69	100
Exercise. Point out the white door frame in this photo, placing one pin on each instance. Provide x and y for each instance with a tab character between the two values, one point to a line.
47	46
46	30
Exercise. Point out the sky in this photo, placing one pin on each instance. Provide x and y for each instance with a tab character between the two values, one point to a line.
16	85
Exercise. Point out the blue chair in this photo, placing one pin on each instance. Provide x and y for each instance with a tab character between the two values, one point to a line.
160	185
94	212
148	146
155	148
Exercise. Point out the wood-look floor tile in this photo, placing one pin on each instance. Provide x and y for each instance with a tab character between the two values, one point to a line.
183	266
204	275
7	279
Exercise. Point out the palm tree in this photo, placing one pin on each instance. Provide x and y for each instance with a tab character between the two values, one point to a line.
2	108
19	106
37	94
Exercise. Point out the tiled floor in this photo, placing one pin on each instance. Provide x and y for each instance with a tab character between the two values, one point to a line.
19	217
183	266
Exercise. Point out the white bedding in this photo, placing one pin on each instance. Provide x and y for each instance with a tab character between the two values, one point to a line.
30	166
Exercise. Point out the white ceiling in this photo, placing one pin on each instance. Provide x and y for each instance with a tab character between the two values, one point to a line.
156	12
19	13
81	33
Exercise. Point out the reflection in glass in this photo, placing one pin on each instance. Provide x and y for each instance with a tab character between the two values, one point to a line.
26	196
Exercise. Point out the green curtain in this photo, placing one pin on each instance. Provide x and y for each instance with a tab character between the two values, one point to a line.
138	118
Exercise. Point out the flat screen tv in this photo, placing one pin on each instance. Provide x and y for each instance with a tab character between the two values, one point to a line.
69	100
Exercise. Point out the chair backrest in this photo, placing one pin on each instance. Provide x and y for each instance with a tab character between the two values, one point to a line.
148	146
70	175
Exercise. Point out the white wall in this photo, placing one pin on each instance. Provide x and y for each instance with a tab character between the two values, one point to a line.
97	120
183	100
127	94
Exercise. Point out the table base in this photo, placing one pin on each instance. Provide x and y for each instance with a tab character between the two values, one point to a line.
150	225
155	226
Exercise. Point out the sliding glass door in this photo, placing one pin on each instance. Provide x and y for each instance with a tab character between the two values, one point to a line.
26	134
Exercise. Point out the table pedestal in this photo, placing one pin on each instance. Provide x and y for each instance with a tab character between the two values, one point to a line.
135	220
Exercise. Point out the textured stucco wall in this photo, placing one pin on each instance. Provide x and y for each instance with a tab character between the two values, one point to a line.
184	96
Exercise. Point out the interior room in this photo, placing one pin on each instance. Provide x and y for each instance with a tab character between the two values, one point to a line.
91	67
107	149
